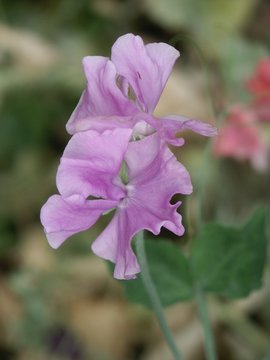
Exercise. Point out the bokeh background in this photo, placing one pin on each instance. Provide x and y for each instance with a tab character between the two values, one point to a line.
64	304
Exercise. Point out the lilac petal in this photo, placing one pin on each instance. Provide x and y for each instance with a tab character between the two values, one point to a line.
62	218
164	56
114	244
155	176
102	96
154	179
180	123
102	123
91	163
150	160
81	112
145	67
169	127
106	97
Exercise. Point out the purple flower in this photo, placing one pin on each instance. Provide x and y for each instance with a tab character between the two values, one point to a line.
91	167
124	91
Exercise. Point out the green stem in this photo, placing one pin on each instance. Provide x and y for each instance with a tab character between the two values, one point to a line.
208	334
153	296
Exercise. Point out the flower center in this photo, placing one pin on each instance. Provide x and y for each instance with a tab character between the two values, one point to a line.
127	198
128	188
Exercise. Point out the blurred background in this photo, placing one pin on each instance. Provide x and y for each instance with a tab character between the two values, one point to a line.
64	304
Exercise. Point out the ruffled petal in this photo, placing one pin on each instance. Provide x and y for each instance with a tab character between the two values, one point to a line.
155	176
91	163
154	179
114	244
102	96
63	217
169	127
146	68
153	168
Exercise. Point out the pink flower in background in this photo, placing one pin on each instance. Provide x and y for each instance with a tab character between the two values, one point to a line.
260	81
89	184
124	91
259	86
241	138
262	107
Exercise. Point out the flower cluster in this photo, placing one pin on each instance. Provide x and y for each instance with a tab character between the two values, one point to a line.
242	135
118	158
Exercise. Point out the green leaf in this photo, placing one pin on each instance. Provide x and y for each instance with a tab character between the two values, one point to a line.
230	261
170	272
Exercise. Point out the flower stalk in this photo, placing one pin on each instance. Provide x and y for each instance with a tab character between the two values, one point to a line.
153	296
204	317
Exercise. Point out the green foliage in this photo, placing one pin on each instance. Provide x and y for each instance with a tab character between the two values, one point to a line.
52	17
25	126
230	261
218	21
8	237
170	271
35	321
224	260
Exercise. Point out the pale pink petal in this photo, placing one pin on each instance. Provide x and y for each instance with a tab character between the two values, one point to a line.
102	96
237	141
62	218
146	68
242	142
241	115
91	163
259	84
260	160
262	107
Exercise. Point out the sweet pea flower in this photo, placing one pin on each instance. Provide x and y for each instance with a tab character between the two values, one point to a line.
259	86
90	184
241	138
124	91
